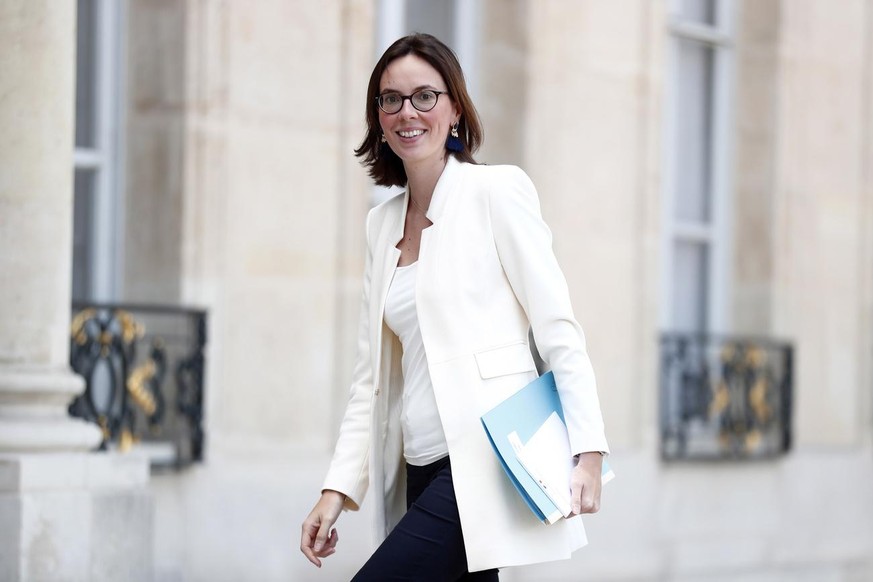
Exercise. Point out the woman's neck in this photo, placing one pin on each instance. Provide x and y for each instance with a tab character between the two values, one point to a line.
422	180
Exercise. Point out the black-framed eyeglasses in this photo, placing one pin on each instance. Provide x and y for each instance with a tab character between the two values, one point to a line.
424	100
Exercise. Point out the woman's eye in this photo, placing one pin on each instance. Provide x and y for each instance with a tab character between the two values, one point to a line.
425	96
390	99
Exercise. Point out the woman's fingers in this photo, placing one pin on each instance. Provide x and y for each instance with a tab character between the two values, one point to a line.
331	540
318	540
307	541
325	538
585	502
585	484
329	546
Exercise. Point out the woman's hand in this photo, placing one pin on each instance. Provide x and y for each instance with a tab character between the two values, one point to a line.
315	542
585	483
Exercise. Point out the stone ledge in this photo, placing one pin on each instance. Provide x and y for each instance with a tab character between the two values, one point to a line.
39	380
33	411
66	471
63	435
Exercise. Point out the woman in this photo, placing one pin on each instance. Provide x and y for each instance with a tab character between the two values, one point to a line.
459	267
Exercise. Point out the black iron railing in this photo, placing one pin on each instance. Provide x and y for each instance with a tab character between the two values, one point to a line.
724	397
126	352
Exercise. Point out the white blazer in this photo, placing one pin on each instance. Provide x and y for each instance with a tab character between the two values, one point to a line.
486	274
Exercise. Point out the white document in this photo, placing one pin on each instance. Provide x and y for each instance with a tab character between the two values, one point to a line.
546	457
550	515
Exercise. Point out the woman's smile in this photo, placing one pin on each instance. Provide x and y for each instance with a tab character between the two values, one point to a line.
410	133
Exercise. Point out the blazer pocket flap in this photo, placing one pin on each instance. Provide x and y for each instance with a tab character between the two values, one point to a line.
511	359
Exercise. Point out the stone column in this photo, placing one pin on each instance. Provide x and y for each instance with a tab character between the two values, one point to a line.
65	514
37	76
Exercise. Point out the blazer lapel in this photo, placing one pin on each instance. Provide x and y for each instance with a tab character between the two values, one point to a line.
385	257
444	196
442	193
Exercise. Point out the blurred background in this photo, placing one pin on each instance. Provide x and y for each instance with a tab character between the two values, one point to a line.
181	249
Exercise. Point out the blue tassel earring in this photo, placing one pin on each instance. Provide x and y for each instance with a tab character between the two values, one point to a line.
453	143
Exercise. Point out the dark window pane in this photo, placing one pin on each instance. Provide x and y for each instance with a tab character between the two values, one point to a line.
86	73
83	225
694	132
433	17
700	11
690	286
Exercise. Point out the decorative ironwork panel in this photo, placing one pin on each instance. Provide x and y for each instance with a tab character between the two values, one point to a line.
143	366
724	397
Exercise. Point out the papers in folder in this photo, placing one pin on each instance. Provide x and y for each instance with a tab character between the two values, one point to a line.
529	435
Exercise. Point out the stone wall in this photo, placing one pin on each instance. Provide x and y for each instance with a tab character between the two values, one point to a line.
592	147
821	229
65	513
271	209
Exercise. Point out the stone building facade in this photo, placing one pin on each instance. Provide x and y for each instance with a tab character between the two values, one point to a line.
711	161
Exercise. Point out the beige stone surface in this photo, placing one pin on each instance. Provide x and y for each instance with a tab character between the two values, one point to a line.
36	189
820	214
36	120
357	58
212	520
63	515
504	80
865	269
154	143
75	517
587	149
273	209
757	90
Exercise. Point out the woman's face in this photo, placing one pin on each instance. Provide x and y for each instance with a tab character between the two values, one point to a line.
417	137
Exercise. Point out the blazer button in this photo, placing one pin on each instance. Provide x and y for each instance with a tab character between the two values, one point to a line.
377	392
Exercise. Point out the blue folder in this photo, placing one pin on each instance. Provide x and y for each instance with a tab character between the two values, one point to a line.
524	413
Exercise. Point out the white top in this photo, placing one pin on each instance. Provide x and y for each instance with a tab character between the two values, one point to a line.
423	439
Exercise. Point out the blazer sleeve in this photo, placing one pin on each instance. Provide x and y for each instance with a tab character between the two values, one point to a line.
349	468
524	246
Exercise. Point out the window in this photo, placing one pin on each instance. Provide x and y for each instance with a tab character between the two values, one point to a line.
96	242
697	187
455	22
721	396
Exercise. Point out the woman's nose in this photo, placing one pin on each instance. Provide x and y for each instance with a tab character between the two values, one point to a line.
407	111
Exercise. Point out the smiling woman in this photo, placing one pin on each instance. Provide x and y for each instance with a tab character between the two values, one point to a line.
458	266
416	136
438	69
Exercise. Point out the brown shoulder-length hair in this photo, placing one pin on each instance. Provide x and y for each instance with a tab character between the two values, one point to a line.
385	167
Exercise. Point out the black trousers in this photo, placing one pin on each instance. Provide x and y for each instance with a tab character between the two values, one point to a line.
427	545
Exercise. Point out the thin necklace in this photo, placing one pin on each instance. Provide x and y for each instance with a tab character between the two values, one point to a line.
423	211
